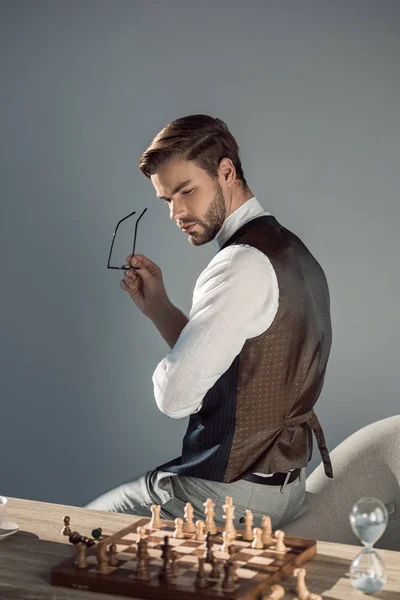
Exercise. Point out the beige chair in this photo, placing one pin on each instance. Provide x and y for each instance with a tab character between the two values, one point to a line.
367	463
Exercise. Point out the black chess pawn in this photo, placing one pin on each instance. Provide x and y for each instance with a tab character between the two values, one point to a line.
113	562
201	578
232	551
208	553
215	573
143	563
174	564
66	530
166	572
228	584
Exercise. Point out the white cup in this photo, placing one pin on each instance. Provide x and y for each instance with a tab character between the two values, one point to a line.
3	508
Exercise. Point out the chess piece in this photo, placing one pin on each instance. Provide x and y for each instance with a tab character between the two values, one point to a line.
266	526
227	541
201	579
279	546
232	551
102	559
257	542
228	584
174	563
113	562
210	514
143	560
229	515
81	562
247	535
178	533
208	553
301	587
76	538
277	592
66	530
141	531
199	537
166	573
155	521
215	573
189	526
96	533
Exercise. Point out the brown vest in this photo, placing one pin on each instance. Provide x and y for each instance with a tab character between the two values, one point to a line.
259	417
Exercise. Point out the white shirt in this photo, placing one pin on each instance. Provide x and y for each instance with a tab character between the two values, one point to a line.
235	298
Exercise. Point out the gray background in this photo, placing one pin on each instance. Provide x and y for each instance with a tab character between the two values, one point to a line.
310	89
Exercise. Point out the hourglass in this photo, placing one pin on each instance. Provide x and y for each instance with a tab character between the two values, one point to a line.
369	519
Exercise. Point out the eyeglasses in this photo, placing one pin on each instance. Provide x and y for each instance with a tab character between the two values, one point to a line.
125	267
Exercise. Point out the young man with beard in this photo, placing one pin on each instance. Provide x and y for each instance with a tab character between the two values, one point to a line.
248	364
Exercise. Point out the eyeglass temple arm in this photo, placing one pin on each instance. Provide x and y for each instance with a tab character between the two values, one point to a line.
115	232
134	238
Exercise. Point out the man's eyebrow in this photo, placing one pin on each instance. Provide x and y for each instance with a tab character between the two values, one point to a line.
177	189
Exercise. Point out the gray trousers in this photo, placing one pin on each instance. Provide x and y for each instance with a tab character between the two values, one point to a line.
171	492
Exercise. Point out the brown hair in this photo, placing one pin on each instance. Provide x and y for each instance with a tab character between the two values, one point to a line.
200	138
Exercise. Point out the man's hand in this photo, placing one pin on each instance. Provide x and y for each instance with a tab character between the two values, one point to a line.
145	286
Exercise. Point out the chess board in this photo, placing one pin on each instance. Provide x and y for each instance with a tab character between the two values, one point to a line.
256	569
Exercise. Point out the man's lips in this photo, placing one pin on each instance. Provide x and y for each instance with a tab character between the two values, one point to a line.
187	228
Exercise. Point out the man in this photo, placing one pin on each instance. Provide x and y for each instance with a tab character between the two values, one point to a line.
248	364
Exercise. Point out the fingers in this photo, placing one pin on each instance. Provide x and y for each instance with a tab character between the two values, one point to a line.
142	260
130	282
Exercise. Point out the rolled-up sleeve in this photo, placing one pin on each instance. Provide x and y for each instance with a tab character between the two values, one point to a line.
235	298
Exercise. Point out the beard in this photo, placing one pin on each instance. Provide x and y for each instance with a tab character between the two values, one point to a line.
213	220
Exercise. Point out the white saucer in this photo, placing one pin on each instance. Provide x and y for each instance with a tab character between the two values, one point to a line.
7	528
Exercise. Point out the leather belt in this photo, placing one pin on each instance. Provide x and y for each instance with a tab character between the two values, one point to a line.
276	479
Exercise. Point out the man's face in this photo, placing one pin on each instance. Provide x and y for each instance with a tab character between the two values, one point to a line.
200	201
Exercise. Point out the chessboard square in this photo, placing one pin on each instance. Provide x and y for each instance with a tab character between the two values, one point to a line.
221	555
176	541
157	561
242	544
261	560
185	549
195	544
129	564
154	553
92	560
126	556
246	573
130	537
253	551
161	534
216	547
188	558
207	567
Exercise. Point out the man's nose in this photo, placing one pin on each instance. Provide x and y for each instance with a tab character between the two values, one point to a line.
177	211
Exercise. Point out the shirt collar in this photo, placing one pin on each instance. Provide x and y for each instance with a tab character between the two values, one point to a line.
251	209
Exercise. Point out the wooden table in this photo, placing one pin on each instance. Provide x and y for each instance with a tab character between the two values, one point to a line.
27	557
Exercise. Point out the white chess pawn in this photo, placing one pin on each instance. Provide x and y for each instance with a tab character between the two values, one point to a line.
247	535
189	526
178	533
155	522
266	527
199	537
279	546
141	533
227	541
257	542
